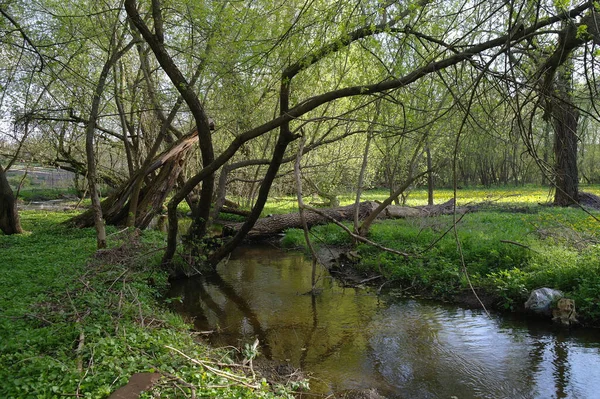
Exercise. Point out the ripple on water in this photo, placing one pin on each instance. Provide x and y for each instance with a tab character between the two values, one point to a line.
464	353
352	339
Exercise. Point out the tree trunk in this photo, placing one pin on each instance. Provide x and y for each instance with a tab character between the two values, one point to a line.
9	216
565	117
429	177
152	197
221	192
273	225
365	162
557	89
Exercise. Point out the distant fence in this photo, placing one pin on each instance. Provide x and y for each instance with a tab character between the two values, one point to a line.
40	178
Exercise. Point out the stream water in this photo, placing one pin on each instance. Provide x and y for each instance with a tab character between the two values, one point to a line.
351	338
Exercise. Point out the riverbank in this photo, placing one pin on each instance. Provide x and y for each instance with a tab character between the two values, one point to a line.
505	251
352	341
75	323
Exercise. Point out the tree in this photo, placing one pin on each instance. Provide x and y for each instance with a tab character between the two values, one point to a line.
444	76
553	81
9	215
492	46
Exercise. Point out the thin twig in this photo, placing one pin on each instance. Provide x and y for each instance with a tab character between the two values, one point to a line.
80	350
224	374
135	297
117	279
445	233
313	253
518	244
369	279
183	382
118	232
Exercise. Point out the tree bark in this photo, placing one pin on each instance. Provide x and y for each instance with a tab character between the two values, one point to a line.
565	117
276	224
9	216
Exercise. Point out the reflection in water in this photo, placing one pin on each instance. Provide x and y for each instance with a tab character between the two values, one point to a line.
352	339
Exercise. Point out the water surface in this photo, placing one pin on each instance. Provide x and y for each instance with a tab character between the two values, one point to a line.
351	338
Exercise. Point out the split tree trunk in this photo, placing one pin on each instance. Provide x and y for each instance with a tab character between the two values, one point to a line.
152	196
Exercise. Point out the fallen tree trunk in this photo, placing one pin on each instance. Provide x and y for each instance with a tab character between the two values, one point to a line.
273	225
234	211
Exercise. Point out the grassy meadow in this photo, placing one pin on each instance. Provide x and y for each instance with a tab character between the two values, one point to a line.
526	196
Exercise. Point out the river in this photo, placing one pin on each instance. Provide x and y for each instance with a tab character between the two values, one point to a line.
351	338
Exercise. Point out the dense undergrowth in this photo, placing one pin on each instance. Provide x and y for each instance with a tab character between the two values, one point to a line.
77	325
507	251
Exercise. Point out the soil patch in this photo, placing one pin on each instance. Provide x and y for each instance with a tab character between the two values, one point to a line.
137	384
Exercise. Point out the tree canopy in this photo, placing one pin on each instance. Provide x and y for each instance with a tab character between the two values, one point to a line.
195	101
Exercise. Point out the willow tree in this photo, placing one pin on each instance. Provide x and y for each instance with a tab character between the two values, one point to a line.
544	73
284	29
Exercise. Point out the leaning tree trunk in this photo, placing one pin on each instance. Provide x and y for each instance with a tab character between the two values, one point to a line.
114	56
9	216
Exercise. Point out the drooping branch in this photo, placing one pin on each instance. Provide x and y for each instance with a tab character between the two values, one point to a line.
345	40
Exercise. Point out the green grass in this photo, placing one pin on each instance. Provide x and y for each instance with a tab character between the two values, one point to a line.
525	196
74	325
45	194
506	254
